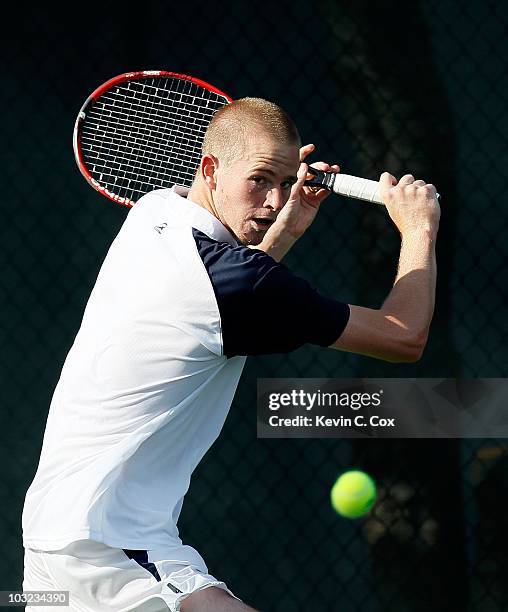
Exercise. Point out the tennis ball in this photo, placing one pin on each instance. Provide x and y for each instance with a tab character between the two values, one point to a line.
353	494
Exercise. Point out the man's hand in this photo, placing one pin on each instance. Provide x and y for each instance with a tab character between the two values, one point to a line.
299	211
303	204
412	205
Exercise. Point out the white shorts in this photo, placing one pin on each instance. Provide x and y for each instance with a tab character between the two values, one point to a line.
101	578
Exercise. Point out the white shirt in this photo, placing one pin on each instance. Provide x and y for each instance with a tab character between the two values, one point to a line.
149	380
143	393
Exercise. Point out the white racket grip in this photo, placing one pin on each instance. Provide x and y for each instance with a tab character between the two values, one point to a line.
356	187
359	188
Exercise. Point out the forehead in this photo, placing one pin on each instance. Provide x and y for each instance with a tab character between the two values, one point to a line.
262	150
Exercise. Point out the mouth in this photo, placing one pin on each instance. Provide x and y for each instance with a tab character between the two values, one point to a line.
263	222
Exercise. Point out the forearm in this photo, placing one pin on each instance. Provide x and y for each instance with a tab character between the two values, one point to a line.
410	303
276	243
398	330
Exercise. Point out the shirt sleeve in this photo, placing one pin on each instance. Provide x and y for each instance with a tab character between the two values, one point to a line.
264	307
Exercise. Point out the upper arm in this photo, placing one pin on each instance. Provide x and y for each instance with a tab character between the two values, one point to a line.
263	307
378	334
277	312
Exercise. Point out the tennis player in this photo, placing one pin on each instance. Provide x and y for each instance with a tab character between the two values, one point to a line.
191	285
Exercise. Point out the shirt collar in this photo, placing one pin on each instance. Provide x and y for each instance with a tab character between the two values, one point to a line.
200	218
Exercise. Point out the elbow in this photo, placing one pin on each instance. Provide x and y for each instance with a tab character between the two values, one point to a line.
409	356
383	336
410	349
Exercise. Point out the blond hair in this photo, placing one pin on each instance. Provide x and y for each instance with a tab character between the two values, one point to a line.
235	124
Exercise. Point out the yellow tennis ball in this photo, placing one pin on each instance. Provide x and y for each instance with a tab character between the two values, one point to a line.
353	494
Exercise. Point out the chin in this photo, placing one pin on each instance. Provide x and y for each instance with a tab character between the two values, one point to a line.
256	241
253	240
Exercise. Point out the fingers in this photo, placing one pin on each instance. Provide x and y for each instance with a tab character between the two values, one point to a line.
407	179
310	148
386	181
326	167
306	150
410	186
301	175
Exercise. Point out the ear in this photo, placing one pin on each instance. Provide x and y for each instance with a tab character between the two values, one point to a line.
209	166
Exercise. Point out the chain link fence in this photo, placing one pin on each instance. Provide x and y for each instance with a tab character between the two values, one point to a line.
407	87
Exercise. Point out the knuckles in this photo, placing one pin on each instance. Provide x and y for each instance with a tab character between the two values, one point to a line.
412	189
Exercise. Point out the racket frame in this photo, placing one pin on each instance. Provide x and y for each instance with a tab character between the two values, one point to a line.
117	80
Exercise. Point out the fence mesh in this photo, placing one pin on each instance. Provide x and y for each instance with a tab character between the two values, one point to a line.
396	86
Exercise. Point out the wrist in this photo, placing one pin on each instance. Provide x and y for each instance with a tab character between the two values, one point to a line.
425	233
277	243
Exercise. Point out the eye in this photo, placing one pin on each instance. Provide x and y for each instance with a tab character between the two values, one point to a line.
287	184
258	180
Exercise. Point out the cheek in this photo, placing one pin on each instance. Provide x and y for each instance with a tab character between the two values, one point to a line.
255	195
243	200
234	191
238	200
230	206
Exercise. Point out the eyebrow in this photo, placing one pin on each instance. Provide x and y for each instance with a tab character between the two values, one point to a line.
291	177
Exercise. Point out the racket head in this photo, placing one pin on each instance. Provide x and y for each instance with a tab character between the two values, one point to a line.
142	131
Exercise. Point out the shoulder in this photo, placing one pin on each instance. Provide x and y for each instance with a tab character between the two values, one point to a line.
236	262
254	292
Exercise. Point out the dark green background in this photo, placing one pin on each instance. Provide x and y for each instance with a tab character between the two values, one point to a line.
418	86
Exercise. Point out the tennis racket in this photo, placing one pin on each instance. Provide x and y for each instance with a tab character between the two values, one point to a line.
142	131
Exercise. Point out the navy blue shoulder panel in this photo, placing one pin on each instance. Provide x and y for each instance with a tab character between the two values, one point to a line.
264	307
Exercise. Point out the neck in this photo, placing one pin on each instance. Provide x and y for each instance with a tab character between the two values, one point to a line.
200	194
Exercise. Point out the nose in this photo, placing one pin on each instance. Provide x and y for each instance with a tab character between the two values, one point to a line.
274	198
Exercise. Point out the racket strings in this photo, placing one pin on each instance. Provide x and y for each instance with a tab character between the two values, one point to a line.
124	156
147	129
147	133
156	116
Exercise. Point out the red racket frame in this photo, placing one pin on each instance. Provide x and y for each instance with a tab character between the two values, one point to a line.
122	78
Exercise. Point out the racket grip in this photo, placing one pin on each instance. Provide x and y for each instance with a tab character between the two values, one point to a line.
355	187
347	185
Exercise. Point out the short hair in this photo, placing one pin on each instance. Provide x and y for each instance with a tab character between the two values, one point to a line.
227	134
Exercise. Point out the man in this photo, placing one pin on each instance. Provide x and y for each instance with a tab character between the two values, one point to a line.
190	286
